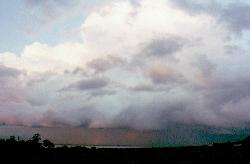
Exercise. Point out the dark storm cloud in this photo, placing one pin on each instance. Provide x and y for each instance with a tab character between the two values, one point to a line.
204	108
153	92
85	123
88	84
52	119
229	90
157	115
76	117
222	101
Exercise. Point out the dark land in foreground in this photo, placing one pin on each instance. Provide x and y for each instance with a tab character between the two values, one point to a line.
34	151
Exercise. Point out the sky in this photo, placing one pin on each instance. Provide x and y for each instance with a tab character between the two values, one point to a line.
136	66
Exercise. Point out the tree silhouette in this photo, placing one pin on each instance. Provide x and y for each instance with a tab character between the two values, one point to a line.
36	138
12	139
48	144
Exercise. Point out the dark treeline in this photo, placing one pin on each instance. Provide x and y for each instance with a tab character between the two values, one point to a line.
34	150
32	143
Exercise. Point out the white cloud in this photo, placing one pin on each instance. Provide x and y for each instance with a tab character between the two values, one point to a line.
43	58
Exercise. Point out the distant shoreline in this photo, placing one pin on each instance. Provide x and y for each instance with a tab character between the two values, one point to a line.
102	146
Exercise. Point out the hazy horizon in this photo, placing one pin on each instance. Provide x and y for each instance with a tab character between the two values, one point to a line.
173	136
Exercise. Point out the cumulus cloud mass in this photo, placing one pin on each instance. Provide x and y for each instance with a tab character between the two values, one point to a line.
141	64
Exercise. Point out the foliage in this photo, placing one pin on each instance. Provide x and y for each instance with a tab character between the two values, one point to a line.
31	151
48	144
36	138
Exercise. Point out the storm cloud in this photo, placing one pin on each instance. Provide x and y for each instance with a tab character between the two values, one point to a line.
169	64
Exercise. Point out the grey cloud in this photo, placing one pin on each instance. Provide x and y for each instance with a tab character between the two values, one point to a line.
143	88
229	90
218	100
35	81
135	2
236	15
161	111
198	6
77	71
88	84
101	93
183	103
83	116
76	117
11	90
101	65
195	110
205	67
165	77
149	88
222	103
157	115
160	79
85	124
39	78
35	102
59	116
91	84
163	46
234	50
8	72
51	119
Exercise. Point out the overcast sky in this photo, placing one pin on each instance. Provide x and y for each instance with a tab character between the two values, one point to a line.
134	64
